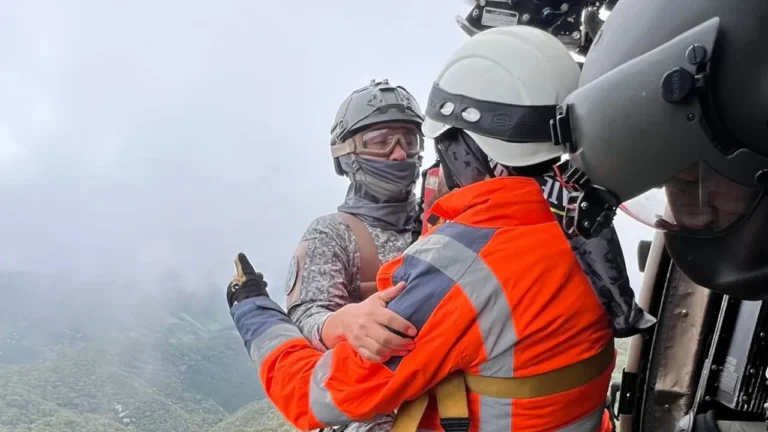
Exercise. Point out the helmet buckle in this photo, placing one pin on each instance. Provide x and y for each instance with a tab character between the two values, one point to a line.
590	209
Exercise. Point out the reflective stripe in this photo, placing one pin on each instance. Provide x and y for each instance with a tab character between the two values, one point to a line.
495	414
416	305
590	423
494	318
444	253
437	264
485	293
432	266
430	285
278	334
472	238
263	326
320	400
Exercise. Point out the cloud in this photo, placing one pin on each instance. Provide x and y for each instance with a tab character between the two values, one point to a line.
11	152
140	135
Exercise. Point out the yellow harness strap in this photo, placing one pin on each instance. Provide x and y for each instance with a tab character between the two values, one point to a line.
451	392
409	414
451	395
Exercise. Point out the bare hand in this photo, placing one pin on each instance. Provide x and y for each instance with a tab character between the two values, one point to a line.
364	326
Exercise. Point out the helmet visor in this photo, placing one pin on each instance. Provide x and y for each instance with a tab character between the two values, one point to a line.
698	202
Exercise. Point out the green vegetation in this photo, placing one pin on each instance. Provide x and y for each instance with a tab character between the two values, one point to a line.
154	364
65	421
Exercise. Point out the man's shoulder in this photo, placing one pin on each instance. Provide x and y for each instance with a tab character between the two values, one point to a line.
447	251
453	237
329	227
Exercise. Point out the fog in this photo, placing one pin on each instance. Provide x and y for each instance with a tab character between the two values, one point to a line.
141	137
144	144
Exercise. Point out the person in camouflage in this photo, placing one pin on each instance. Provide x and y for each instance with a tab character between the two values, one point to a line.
377	143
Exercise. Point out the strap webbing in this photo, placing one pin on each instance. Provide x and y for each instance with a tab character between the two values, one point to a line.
409	414
369	255
451	392
556	381
451	395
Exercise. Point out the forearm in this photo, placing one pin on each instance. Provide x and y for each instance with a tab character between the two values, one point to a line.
300	380
315	322
314	390
320	285
281	355
332	331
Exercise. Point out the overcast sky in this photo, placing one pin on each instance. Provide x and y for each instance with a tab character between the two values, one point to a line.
137	136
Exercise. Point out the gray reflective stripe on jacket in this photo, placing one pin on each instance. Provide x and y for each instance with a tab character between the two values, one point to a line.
264	328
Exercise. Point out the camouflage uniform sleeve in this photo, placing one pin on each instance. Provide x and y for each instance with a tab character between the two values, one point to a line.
320	276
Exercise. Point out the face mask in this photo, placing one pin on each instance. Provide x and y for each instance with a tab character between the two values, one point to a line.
387	180
381	191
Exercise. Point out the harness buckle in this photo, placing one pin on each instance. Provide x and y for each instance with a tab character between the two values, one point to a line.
455	424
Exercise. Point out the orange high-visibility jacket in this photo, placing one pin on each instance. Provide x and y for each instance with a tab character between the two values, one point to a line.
494	291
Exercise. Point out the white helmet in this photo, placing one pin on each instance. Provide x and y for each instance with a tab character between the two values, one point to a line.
502	88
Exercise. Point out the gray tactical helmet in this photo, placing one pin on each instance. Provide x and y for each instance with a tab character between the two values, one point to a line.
378	102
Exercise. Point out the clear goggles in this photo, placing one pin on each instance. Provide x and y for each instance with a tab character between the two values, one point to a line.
697	202
380	141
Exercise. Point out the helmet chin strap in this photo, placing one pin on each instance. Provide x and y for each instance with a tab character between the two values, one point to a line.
498	169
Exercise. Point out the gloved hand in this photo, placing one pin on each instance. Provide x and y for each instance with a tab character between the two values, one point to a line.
246	284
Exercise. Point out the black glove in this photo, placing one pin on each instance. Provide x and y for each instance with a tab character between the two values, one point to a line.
246	284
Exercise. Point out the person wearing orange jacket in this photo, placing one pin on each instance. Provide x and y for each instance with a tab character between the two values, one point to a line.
510	334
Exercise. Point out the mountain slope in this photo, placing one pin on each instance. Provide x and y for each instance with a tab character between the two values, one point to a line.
260	415
153	363
66	421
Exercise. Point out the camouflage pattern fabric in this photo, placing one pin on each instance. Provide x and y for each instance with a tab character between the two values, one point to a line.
324	276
